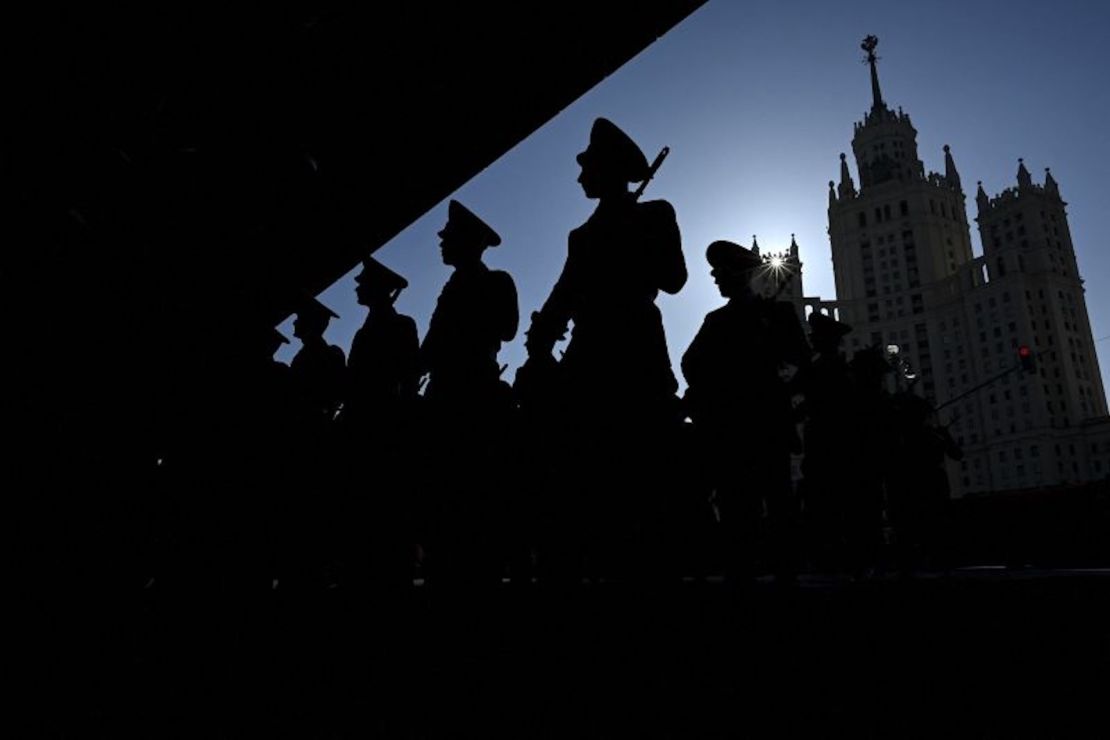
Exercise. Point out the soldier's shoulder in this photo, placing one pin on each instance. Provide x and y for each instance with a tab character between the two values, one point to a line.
404	322
501	280
720	312
720	316
657	209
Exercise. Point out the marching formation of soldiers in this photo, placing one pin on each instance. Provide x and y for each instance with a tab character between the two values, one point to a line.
416	457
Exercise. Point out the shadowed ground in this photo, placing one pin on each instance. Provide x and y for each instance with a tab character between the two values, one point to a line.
984	653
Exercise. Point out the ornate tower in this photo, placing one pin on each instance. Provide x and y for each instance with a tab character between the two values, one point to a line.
905	275
781	275
899	237
1032	293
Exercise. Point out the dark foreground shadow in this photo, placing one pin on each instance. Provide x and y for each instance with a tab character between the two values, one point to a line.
982	654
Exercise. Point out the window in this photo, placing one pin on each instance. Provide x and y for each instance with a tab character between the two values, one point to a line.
905	208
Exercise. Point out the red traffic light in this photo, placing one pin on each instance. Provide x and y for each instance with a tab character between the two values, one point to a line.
1025	355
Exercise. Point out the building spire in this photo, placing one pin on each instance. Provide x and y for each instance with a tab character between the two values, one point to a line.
755	245
1050	185
950	172
793	247
981	199
847	187
869	45
1024	179
832	193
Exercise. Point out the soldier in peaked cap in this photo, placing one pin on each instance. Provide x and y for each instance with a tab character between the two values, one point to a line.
469	404
318	370
615	381
831	444
617	263
382	368
742	409
374	515
475	313
870	430
826	334
917	487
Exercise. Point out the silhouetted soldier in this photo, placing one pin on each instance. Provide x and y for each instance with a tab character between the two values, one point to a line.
871	455
377	517
617	263
918	490
319	369
742	409
831	444
469	403
383	371
475	313
615	377
279	438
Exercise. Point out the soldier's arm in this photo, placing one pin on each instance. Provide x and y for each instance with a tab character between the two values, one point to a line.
665	247
408	347
550	322
694	358
506	306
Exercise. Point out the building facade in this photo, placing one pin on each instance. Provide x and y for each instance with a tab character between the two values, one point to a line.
906	275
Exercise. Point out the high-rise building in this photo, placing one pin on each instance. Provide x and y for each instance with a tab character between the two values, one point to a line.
906	275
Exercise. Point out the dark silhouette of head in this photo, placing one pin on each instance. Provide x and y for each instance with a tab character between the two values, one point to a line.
870	366
732	266
826	334
610	162
465	237
378	286
312	320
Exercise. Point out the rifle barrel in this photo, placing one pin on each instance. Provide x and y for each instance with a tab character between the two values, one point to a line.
651	171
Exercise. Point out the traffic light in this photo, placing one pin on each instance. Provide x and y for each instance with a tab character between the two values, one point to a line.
1025	355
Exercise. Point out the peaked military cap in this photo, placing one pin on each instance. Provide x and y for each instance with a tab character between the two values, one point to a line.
375	273
728	255
462	221
823	325
310	307
611	148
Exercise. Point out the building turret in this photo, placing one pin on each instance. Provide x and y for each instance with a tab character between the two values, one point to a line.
950	173
1025	180
1050	185
885	142
847	186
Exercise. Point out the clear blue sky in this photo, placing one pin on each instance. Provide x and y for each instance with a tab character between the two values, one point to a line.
756	101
